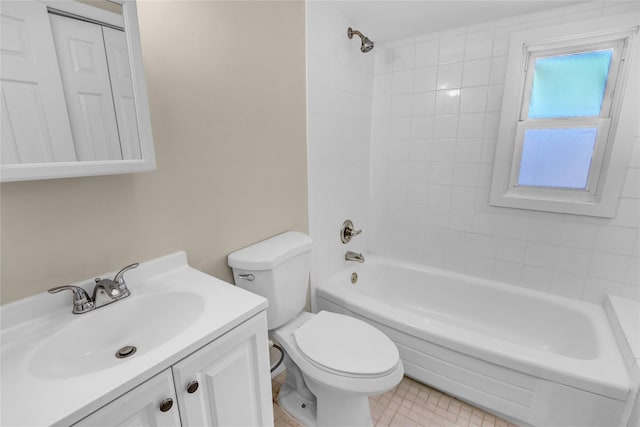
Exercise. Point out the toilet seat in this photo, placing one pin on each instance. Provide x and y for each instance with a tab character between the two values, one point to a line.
333	363
316	373
346	346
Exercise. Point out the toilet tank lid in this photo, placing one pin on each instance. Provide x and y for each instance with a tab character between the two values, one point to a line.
271	252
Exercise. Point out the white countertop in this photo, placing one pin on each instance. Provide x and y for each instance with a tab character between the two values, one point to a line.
32	399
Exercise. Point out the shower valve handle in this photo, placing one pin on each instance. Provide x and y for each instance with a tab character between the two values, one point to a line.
353	233
347	231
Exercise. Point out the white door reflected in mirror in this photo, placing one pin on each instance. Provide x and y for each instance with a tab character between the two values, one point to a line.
74	99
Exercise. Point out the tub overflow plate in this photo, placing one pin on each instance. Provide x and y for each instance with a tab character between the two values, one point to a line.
354	278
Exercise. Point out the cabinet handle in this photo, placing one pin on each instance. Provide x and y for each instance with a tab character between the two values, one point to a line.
166	404
192	387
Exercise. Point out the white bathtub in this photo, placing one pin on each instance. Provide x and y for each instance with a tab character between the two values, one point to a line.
531	357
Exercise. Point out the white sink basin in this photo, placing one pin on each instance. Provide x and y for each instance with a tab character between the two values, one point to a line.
58	367
88	344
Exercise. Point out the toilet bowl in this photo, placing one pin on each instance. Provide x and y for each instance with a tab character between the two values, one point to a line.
343	361
333	362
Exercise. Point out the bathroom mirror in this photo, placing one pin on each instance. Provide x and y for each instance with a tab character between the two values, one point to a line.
74	98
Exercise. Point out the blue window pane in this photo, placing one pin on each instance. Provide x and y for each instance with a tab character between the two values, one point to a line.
557	157
569	85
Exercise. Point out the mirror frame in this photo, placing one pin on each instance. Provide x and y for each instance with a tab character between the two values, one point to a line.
37	171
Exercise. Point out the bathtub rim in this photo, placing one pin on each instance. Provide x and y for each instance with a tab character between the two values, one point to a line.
604	375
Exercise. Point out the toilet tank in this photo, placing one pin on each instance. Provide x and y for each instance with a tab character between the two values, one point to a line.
277	269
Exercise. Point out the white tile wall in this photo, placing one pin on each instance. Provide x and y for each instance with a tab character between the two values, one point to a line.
406	151
436	110
339	99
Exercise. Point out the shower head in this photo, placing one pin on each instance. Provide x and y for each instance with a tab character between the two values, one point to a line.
366	45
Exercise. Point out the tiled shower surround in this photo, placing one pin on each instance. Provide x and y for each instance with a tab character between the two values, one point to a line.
339	100
429	138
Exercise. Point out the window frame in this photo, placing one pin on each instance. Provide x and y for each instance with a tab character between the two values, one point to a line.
615	123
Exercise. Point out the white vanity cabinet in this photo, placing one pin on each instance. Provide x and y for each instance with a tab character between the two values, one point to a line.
140	406
227	382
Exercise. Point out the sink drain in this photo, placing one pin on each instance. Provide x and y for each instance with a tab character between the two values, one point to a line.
126	351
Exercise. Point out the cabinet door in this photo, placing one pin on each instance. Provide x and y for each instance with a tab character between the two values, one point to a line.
140	406
35	126
234	382
85	79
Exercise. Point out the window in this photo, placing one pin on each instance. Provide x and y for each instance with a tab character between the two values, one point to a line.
567	118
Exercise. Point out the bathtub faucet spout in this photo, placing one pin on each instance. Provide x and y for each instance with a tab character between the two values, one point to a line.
354	256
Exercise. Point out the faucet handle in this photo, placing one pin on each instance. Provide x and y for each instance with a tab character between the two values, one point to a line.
81	301
354	233
347	231
119	279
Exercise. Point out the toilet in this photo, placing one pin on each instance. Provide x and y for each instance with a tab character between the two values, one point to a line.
334	362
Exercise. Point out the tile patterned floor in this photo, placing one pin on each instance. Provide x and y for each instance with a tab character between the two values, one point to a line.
409	404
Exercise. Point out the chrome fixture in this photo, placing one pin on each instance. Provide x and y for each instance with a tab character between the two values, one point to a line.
119	279
126	351
81	301
354	256
366	45
347	231
105	292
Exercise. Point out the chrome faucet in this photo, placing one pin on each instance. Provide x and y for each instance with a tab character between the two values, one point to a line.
354	256
347	231
105	292
81	300
119	280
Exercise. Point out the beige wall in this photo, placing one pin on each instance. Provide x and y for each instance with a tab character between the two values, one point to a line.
226	85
